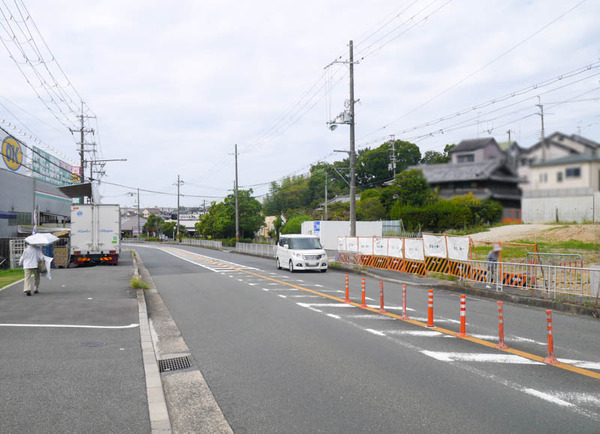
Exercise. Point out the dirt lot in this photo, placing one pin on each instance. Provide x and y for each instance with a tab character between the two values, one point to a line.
541	233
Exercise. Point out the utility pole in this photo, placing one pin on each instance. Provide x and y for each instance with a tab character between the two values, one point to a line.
541	106
138	211
347	117
179	183
508	132
82	131
352	153
325	218
237	209
393	140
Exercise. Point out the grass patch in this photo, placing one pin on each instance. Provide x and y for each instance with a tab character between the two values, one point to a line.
10	276
138	283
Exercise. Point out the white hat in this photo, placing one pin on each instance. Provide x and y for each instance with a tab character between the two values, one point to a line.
497	248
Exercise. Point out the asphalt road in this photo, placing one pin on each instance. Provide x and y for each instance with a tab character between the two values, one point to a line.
70	356
281	352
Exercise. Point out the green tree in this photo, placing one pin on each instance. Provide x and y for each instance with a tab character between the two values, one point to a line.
435	157
407	154
153	226
294	224
373	167
409	188
370	209
170	229
219	221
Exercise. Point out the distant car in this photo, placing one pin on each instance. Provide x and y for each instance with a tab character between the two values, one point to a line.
300	252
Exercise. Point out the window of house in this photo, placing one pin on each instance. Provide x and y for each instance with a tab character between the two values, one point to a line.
573	172
543	177
466	158
559	176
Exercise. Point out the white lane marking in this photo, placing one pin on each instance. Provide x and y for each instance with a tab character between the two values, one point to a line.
547	397
375	332
220	267
580	398
334	316
281	295
425	333
437	320
305	296
309	307
581	363
331	305
408	309
371	316
479	357
284	289
71	326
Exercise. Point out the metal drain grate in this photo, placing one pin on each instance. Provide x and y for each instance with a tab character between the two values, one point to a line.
174	364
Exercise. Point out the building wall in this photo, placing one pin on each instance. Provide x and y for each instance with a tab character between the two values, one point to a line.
570	205
479	155
20	193
546	177
329	231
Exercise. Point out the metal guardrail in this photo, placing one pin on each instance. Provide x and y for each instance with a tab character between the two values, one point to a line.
267	250
187	241
203	243
563	259
552	280
549	279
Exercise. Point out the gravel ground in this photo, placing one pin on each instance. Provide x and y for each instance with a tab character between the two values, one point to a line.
511	232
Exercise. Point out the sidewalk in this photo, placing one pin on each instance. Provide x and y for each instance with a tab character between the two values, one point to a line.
71	355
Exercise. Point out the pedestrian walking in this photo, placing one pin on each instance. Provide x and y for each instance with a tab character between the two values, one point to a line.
492	264
30	260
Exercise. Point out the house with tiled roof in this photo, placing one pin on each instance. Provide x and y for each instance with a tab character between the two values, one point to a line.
480	167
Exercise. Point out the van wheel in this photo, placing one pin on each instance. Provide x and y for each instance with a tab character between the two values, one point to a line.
278	264
291	266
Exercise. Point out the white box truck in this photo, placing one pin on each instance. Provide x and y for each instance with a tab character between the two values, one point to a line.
95	234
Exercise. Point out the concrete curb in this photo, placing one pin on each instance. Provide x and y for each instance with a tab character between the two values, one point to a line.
157	404
191	404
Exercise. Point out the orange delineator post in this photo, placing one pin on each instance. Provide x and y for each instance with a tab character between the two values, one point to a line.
430	310
501	345
404	315
550	358
381	309
364	303
347	300
463	316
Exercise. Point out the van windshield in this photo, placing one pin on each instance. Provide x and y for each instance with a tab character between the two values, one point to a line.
305	243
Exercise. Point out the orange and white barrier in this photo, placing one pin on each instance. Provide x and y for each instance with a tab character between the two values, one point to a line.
430	310
347	300
550	358
463	316
501	345
364	297
381	309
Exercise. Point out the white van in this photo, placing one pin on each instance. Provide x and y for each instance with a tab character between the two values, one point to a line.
300	252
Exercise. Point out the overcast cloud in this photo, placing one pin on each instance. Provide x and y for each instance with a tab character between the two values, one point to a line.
175	85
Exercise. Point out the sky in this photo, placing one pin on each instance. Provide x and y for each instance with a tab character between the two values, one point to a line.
173	87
